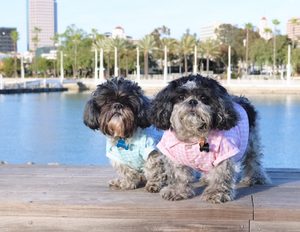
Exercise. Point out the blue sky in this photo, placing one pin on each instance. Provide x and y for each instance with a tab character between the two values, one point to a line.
140	17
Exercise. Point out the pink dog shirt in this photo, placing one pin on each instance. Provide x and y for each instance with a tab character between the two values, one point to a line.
222	145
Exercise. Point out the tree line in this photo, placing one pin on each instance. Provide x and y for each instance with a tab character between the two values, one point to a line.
79	47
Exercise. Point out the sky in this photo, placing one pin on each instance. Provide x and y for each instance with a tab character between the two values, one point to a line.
140	17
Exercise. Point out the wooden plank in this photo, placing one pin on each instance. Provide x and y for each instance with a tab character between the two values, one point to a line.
24	169
128	225
283	170
285	182
276	204
126	211
89	196
284	175
274	226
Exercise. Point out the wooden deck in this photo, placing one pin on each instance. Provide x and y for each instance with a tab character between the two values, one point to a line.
77	198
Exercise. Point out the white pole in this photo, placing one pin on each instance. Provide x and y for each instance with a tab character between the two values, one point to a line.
138	65
116	62
228	72
101	66
166	68
195	64
1	82
61	66
96	64
22	68
288	77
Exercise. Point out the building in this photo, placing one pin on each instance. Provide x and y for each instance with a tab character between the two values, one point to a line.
47	51
261	29
6	43
43	15
208	31
289	29
118	32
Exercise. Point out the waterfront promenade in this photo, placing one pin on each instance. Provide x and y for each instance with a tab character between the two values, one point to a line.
77	198
252	85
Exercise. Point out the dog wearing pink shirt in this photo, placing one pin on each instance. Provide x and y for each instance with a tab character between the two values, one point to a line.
210	131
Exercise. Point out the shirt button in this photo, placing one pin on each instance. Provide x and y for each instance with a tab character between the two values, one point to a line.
129	162
189	147
137	168
131	147
192	161
121	148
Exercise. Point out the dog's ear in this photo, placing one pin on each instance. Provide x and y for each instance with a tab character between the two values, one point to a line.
91	115
161	108
144	113
225	116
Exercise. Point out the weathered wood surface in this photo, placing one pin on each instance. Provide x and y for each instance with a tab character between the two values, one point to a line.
127	225
66	196
278	226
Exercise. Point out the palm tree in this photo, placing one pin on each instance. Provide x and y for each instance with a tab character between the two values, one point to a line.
106	45
119	43
147	44
294	22
275	22
55	39
248	26
94	34
76	40
186	46
128	48
268	30
172	45
210	48
35	40
15	36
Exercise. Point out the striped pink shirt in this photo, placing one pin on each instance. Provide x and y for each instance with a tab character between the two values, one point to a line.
222	145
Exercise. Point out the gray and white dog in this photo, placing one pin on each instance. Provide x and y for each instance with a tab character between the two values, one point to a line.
210	131
121	111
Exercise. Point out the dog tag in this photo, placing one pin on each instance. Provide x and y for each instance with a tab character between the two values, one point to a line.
122	145
203	146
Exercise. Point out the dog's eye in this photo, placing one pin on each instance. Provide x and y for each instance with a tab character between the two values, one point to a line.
107	102
204	99
181	97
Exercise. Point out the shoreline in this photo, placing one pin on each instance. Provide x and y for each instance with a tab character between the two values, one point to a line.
233	89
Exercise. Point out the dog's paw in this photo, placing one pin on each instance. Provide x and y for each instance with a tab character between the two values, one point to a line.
153	187
171	194
216	196
204	180
114	184
260	180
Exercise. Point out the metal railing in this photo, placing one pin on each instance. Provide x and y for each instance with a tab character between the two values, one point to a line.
19	83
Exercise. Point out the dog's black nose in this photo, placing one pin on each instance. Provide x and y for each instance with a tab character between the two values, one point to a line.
118	106
193	102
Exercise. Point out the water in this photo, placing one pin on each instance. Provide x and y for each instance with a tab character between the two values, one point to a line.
48	128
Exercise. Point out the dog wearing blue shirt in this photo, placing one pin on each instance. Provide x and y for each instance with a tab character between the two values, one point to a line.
120	110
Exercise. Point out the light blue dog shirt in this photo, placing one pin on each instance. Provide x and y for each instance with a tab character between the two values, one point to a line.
135	154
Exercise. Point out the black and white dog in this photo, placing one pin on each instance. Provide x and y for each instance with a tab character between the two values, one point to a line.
121	111
209	131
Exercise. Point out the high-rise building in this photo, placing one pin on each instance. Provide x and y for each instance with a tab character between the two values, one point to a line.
261	29
208	31
43	15
6	43
289	29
